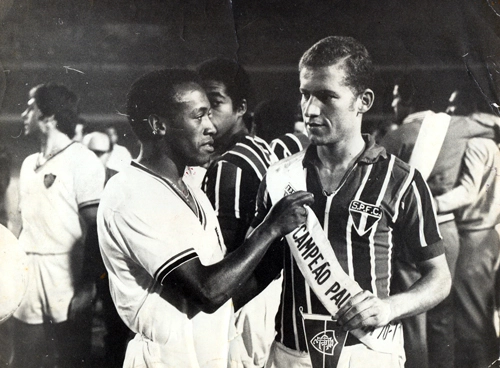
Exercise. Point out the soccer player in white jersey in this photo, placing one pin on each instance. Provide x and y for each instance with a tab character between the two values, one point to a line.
160	239
60	187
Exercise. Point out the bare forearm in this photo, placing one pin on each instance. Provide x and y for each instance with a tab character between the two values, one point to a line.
427	292
222	280
209	287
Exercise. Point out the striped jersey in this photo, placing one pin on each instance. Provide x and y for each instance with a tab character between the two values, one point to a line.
381	210
288	144
232	181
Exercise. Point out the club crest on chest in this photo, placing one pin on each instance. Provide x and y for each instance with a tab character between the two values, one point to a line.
364	216
48	180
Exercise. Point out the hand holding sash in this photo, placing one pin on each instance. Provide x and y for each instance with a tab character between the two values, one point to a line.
364	310
289	212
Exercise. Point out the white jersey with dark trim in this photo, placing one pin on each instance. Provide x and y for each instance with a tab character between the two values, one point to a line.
382	210
147	230
52	194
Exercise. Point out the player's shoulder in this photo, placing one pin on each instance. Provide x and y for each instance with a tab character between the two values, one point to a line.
250	154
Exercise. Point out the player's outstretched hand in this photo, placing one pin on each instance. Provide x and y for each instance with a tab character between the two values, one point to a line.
289	212
364	310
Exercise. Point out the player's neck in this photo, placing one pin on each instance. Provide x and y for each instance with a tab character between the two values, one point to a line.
341	154
162	164
223	144
53	142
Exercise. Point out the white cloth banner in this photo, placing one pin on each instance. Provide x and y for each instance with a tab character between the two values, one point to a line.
429	142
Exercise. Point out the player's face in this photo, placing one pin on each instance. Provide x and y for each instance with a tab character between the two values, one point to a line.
31	118
328	105
224	116
190	133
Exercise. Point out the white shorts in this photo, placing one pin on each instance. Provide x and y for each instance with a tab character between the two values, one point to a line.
255	324
50	288
354	356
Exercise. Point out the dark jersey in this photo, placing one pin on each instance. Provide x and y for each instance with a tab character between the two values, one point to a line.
231	184
380	211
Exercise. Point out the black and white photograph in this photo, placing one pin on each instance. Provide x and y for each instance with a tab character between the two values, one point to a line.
249	184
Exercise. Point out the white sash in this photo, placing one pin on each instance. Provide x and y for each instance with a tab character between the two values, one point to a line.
317	261
429	142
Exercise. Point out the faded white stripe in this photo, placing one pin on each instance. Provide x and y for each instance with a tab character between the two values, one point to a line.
373	265
217	188
294	318
350	262
308	298
407	183
389	260
237	187
420	212
249	148
257	171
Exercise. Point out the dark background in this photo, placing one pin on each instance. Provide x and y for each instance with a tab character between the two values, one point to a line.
98	47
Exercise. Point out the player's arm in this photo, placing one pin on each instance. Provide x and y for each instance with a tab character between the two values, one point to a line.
366	310
89	183
416	228
469	182
209	287
85	284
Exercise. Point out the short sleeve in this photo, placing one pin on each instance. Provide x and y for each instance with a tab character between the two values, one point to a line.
157	249
416	225
89	179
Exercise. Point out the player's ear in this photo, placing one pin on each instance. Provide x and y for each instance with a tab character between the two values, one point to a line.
366	99
50	121
157	125
242	108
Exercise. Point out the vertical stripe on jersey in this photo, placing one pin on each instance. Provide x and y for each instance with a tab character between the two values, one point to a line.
237	187
226	176
381	195
350	224
401	193
217	188
434	210
283	302
420	211
294	306
251	163
389	261
308	299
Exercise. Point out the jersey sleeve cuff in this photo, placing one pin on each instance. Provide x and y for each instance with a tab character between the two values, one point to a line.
174	262
94	202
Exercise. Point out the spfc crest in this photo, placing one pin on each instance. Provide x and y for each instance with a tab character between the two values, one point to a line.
325	342
364	216
48	180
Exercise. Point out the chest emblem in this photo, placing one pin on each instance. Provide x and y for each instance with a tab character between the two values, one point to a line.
364	216
48	180
325	342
